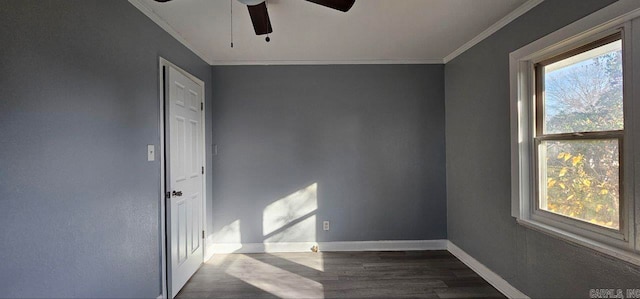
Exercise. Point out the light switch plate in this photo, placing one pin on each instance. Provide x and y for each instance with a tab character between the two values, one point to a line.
151	152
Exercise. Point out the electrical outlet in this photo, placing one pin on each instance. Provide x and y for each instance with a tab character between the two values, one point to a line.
325	225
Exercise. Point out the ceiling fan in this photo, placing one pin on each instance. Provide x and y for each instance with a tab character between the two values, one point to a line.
260	16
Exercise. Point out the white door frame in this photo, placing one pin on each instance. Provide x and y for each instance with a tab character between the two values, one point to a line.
163	203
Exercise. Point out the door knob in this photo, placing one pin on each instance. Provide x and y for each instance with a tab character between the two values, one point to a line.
176	193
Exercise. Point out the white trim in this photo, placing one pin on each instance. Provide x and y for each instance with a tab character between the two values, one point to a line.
223	248
327	62
521	10
491	277
163	228
208	254
139	4
613	15
386	245
391	245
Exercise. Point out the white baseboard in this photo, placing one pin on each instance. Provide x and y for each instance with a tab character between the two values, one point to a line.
391	245
221	248
387	245
494	279
208	253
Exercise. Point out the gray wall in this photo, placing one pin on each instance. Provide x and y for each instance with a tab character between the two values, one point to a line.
79	203
478	169
370	136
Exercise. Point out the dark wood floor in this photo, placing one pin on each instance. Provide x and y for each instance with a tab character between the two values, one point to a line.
413	274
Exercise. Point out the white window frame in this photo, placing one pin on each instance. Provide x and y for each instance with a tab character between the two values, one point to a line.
613	18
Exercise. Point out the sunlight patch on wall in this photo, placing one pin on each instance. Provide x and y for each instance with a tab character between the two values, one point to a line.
303	231
292	218
279	282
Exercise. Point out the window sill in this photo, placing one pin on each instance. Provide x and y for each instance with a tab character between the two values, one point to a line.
608	250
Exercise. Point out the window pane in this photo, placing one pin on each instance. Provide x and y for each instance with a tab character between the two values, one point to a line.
580	179
584	92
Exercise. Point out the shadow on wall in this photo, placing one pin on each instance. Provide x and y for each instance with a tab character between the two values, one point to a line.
288	219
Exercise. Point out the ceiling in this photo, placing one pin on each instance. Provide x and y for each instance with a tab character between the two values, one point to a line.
373	31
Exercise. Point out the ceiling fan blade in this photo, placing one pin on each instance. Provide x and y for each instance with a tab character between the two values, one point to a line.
260	18
341	5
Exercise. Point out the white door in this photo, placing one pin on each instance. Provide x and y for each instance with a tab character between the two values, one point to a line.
184	178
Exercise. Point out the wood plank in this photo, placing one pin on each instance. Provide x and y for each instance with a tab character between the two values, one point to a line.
399	274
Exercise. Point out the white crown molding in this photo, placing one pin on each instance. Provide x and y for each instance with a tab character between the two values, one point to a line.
164	25
494	279
326	62
522	9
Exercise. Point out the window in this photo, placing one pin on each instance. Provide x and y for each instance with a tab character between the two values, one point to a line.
573	138
579	128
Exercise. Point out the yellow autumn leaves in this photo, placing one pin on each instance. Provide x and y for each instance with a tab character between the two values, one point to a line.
552	182
578	188
574	159
563	171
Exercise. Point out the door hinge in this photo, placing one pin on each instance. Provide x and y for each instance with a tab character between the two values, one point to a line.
201	105
167	194
203	234
202	169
